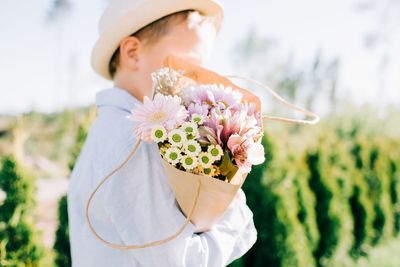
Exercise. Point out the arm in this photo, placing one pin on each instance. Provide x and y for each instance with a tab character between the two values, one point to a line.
235	232
142	208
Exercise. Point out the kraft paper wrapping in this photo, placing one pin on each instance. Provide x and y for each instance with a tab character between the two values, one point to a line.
214	199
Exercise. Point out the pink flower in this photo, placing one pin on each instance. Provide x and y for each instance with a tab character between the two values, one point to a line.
226	123
250	108
245	152
198	109
162	110
212	95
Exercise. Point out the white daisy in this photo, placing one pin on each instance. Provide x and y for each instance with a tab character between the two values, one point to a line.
197	118
177	137
190	128
205	160
215	151
173	155
189	162
192	147
158	134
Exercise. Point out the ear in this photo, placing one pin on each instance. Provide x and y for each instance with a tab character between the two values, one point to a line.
130	49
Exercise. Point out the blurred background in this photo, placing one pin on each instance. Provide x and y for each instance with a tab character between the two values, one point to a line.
328	195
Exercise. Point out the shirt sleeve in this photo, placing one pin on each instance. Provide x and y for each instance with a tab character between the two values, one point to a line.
142	208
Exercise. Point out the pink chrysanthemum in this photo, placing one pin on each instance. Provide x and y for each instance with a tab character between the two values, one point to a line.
198	109
162	110
212	95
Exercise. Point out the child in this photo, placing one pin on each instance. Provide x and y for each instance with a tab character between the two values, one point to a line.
137	205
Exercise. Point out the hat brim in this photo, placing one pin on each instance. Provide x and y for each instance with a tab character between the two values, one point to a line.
110	38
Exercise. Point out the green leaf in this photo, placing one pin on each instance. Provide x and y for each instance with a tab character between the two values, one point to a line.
227	168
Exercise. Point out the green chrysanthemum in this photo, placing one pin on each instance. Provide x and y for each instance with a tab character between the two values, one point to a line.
190	128
215	151
189	162
192	147
177	137
173	155
205	160
158	134
197	118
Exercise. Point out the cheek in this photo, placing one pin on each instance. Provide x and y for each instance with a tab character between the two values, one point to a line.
153	59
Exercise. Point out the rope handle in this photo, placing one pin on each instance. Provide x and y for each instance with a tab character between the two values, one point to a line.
154	243
315	117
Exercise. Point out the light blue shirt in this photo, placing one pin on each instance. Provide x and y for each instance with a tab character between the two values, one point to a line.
137	205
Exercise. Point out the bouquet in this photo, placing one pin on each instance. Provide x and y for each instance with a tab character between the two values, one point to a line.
208	132
204	129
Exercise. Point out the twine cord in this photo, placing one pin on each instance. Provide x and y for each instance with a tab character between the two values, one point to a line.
315	117
154	243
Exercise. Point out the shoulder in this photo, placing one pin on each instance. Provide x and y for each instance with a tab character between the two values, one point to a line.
110	136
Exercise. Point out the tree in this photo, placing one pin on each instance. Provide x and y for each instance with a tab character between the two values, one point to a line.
19	244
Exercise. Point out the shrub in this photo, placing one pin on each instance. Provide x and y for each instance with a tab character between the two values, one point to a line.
19	244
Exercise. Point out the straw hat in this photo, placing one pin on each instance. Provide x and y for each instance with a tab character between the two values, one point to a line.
124	17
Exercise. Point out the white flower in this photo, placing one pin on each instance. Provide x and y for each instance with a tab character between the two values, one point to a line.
177	137
190	128
255	154
205	160
215	151
189	162
197	118
173	155
158	134
192	148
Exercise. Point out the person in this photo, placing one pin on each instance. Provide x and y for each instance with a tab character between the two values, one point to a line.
137	205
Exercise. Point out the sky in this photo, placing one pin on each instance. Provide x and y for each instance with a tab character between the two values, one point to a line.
44	65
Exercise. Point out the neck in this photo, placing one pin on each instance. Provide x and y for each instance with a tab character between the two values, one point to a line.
132	85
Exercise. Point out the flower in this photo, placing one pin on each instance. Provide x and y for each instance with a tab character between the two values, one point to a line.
196	108
213	95
215	151
197	118
173	155
245	152
212	171
177	137
189	162
192	147
255	153
225	123
190	128
158	134
162	110
205	160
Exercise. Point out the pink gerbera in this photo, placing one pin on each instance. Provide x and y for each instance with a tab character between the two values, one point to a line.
163	110
212	95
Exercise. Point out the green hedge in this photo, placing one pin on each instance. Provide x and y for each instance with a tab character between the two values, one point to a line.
326	196
19	242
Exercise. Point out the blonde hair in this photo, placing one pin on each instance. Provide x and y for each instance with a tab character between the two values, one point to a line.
155	30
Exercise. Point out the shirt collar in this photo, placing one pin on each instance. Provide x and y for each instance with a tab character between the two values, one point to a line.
116	97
